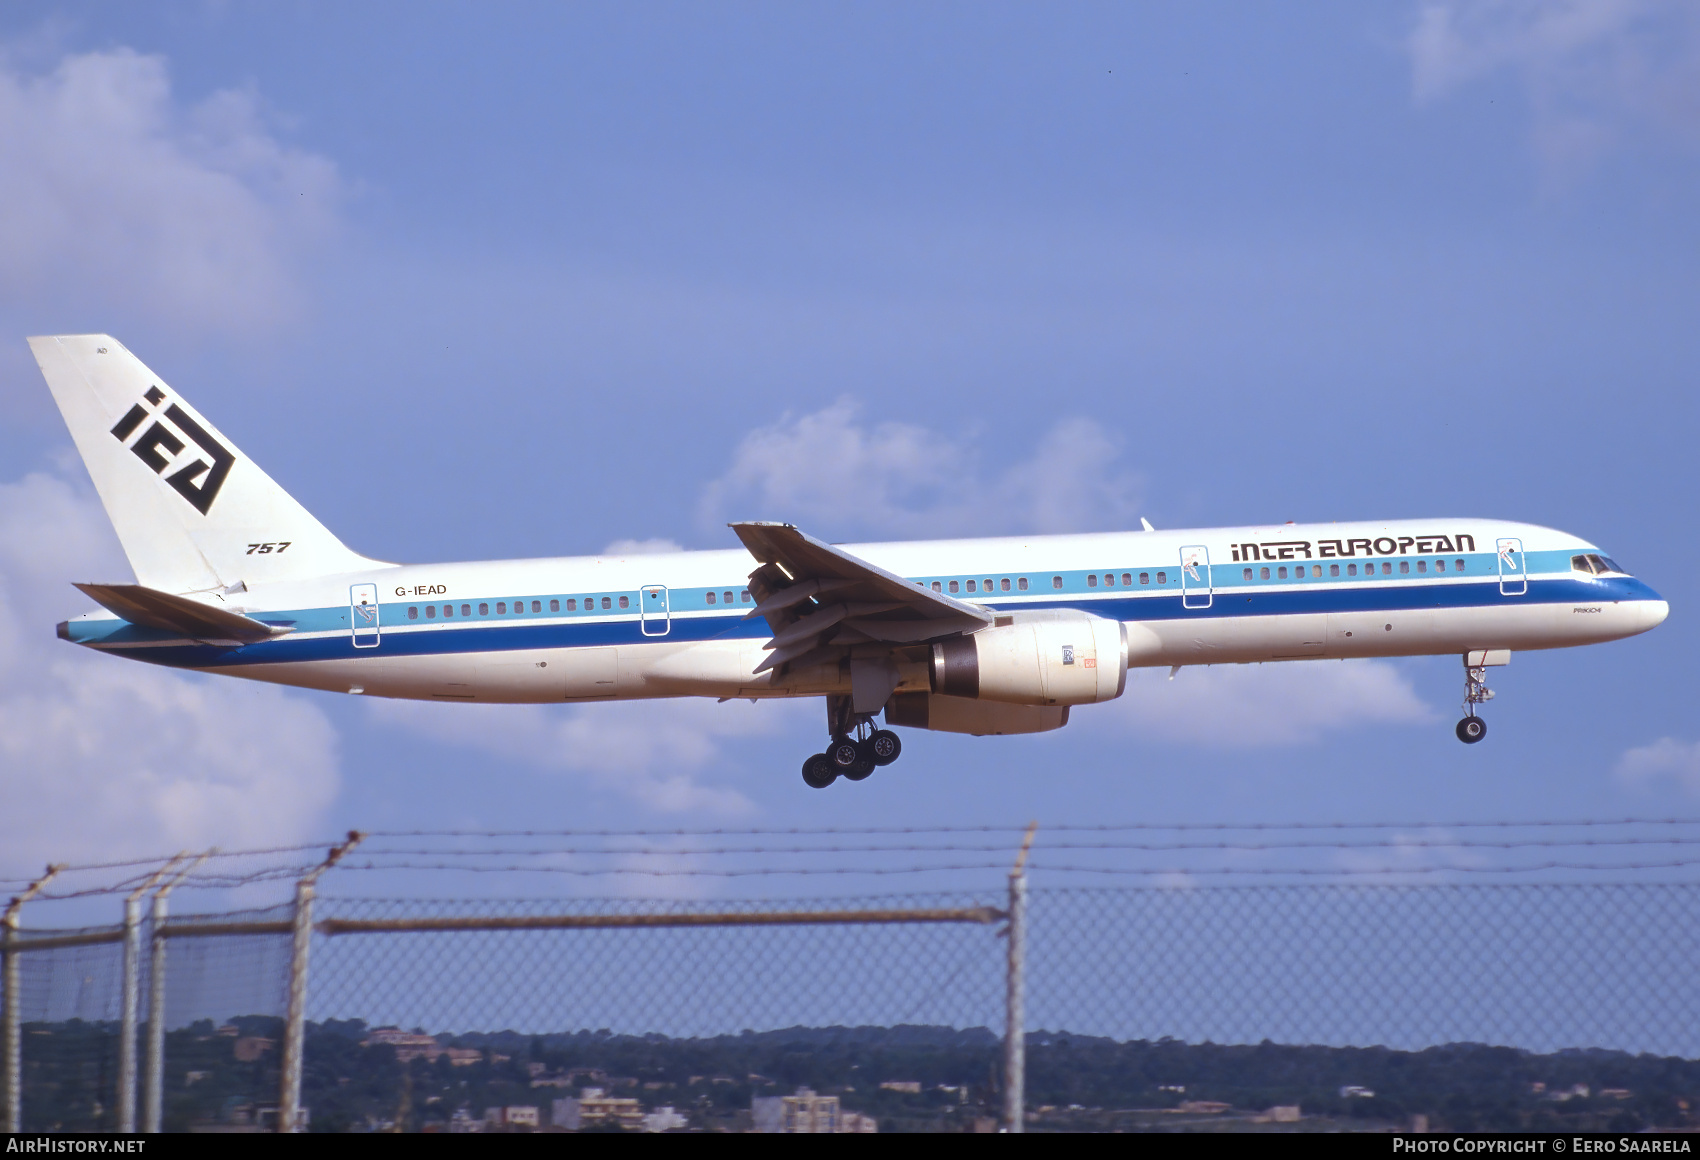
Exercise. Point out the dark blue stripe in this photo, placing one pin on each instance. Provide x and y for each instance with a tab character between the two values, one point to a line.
513	636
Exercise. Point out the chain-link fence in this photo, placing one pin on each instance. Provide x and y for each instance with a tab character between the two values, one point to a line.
1539	967
515	1004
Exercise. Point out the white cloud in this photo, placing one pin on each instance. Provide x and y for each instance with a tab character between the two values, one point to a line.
1595	71
1411	857
832	472
115	193
1665	758
650	751
641	548
1234	706
102	756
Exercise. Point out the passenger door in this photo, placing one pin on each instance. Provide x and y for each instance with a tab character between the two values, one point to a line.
1513	567
363	615
1195	577
653	617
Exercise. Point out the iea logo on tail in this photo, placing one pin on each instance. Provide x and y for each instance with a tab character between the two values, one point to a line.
198	481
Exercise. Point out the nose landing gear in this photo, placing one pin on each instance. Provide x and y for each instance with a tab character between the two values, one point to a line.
1472	728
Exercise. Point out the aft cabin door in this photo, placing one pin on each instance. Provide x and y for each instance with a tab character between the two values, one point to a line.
1513	568
652	610
1195	577
363	615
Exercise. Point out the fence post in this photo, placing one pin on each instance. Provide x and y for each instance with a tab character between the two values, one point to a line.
1015	1015
11	1009
153	1094
295	1017
132	998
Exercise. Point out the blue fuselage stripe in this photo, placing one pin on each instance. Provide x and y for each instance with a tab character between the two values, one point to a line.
550	632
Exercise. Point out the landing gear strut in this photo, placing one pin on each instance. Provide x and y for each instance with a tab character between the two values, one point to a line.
1472	728
857	747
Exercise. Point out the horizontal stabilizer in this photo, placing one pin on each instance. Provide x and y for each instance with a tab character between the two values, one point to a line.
154	609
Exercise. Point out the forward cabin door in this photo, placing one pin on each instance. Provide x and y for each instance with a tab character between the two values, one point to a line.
653	616
363	615
1513	568
1195	577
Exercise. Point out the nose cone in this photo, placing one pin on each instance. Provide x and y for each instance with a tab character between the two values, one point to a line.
1652	613
1641	606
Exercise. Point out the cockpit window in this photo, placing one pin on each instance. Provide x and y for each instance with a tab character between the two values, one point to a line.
1596	564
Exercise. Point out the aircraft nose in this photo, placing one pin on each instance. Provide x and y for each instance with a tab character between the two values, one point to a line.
1653	613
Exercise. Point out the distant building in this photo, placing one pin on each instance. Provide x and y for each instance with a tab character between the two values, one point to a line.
1205	1107
1284	1113
913	1086
251	1047
462	1122
595	1106
463	1056
1615	1093
1353	1092
664	1119
857	1122
408	1045
518	1116
807	1112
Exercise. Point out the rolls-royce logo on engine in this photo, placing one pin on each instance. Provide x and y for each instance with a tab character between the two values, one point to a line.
197	481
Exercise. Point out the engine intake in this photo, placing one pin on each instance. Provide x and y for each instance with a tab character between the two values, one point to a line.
1038	659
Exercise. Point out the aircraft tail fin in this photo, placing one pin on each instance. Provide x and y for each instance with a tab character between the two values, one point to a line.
192	512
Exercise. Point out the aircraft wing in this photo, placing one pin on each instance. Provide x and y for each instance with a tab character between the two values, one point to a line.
819	600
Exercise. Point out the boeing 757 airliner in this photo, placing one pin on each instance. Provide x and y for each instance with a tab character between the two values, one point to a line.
985	636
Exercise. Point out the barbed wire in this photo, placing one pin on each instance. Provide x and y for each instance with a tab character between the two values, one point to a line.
1044	827
1150	847
592	845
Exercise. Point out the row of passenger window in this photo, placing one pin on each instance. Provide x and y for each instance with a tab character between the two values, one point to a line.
726	597
1352	569
1127	579
991	585
518	607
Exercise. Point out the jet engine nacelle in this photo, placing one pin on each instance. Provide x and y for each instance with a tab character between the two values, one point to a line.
1054	658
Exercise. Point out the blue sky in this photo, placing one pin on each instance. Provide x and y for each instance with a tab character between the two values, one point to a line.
477	282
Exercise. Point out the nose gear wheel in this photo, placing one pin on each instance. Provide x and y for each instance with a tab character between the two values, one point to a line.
1472	728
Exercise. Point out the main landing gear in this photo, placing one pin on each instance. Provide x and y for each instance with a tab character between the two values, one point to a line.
1472	728
857	749
852	757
